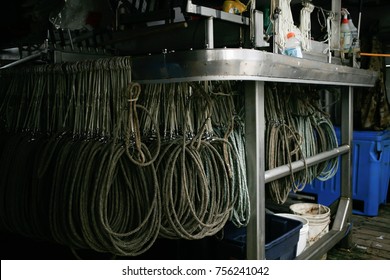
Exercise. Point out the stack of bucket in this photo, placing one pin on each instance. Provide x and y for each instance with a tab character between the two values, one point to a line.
318	216
315	219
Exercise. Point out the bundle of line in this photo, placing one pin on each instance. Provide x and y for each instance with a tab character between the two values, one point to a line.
103	163
296	128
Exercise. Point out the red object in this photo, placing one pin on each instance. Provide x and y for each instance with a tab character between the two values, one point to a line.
290	34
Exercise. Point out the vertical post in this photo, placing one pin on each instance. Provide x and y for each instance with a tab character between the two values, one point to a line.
276	34
336	10
253	23
257	29
344	211
255	159
209	33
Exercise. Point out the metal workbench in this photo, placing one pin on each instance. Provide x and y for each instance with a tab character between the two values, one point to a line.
256	67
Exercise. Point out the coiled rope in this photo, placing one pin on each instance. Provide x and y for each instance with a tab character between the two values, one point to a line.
93	185
194	179
101	179
296	128
190	142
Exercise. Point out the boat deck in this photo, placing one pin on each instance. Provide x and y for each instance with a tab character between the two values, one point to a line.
370	238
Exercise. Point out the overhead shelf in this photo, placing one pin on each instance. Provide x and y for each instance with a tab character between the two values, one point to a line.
244	64
218	14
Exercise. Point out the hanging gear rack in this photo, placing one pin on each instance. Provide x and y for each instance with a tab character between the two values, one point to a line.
252	66
255	67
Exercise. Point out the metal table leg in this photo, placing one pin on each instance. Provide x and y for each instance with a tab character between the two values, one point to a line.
255	157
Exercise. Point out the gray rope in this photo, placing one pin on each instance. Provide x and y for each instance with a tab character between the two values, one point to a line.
296	129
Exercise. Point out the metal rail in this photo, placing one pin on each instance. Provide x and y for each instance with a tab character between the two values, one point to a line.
285	170
209	12
22	60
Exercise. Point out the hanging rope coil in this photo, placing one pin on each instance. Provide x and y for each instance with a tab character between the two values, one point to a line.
187	124
230	126
196	183
134	135
196	197
77	97
87	189
297	128
283	145
117	165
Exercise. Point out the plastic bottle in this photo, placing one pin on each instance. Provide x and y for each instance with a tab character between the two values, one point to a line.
293	46
354	36
353	29
345	35
355	44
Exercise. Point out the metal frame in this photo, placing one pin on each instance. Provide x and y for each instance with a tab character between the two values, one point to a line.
255	149
209	12
244	64
256	67
341	221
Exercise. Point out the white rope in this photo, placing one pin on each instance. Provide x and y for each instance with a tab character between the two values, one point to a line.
286	25
305	26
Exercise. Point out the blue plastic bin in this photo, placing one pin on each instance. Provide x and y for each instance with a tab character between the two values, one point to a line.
370	174
281	239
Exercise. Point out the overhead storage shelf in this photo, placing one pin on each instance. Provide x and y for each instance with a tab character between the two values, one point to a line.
218	14
244	64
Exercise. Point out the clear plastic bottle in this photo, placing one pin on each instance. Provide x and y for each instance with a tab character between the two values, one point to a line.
355	45
352	29
293	46
354	36
345	35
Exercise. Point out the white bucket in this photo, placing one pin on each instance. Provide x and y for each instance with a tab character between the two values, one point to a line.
318	216
303	232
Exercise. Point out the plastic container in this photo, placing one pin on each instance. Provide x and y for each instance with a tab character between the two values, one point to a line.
233	7
293	46
303	232
281	239
318	216
353	30
355	44
345	35
370	174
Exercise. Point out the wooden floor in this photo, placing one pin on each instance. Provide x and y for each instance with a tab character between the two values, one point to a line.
370	238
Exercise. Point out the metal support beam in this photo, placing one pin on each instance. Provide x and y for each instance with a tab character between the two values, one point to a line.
257	29
336	10
209	33
344	211
255	150
285	170
210	12
22	60
322	245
